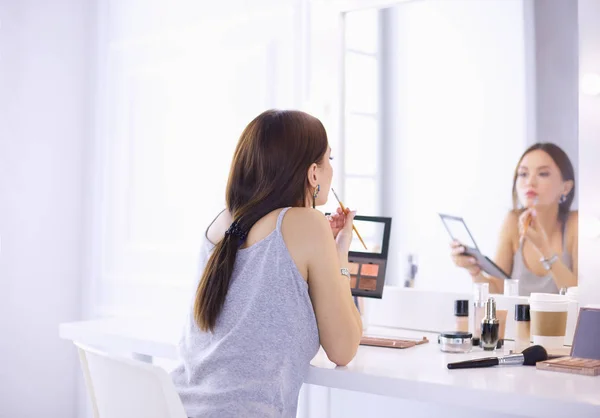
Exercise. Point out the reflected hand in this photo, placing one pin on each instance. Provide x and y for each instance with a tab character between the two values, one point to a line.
462	260
533	232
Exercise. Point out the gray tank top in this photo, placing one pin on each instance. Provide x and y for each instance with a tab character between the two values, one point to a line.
255	361
530	282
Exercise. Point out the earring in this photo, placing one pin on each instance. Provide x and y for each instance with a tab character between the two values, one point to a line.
563	198
316	193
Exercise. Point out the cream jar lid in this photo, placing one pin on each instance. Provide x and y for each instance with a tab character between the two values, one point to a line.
455	337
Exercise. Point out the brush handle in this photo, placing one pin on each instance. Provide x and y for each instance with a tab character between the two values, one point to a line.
472	364
353	227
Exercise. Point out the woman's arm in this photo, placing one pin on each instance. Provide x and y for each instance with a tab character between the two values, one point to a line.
504	256
338	320
562	275
505	252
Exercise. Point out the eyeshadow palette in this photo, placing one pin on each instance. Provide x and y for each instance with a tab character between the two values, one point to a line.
367	266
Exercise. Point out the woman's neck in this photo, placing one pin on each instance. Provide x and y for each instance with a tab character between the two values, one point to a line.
547	217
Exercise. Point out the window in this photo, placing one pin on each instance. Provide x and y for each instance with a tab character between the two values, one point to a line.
361	156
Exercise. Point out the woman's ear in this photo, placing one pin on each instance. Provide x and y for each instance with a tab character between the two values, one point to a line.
567	187
312	176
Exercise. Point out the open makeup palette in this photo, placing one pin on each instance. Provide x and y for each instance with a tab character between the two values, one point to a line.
367	266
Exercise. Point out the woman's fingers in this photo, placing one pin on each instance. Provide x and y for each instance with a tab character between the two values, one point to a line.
465	261
458	250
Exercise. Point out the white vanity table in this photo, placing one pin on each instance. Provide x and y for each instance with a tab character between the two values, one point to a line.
382	381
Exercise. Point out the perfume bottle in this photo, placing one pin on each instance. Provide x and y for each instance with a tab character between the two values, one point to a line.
490	326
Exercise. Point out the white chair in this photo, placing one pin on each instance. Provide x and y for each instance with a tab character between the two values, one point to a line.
125	388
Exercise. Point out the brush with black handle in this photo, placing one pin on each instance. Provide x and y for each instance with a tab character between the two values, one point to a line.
528	357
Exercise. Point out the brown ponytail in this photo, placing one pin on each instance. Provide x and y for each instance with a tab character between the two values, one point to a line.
268	171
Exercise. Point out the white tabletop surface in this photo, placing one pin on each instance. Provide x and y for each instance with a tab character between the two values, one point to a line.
417	373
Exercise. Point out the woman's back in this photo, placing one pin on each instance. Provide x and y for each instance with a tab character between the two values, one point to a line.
256	358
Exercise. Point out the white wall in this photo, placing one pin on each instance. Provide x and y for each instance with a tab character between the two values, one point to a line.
458	125
178	83
556	54
44	115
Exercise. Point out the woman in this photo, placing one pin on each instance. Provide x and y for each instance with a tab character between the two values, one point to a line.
538	241
276	283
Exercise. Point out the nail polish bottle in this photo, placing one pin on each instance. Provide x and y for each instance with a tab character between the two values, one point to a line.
490	326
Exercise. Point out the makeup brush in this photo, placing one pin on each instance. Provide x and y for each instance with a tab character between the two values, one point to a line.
346	211
528	357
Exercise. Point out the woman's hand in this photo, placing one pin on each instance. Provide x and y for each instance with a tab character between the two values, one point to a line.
336	222
533	232
341	226
462	260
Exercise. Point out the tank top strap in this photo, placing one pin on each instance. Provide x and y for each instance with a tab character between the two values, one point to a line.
280	218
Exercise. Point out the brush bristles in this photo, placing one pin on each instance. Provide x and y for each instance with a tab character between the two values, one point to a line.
533	354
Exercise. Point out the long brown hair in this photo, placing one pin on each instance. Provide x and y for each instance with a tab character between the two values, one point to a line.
561	159
269	171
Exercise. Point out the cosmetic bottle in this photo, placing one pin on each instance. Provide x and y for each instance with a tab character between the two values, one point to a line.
480	295
461	314
411	271
522	327
490	326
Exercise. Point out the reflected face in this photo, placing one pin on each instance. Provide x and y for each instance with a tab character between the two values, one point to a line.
324	176
539	180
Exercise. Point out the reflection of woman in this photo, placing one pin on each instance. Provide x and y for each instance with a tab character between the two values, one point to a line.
276	284
538	241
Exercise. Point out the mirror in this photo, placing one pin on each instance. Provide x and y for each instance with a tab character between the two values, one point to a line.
441	98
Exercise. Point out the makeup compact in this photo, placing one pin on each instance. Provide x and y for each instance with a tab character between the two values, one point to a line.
457	228
367	266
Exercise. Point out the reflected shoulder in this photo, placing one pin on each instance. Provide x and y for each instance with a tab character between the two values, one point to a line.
573	222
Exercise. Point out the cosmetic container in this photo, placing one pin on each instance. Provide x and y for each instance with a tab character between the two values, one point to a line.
455	342
522	327
461	315
490	326
480	295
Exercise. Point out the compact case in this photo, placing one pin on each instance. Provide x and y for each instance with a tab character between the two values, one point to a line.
367	267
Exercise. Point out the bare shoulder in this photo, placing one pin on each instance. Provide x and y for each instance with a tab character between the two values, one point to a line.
510	225
511	220
305	222
573	219
306	233
509	232
216	230
572	226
